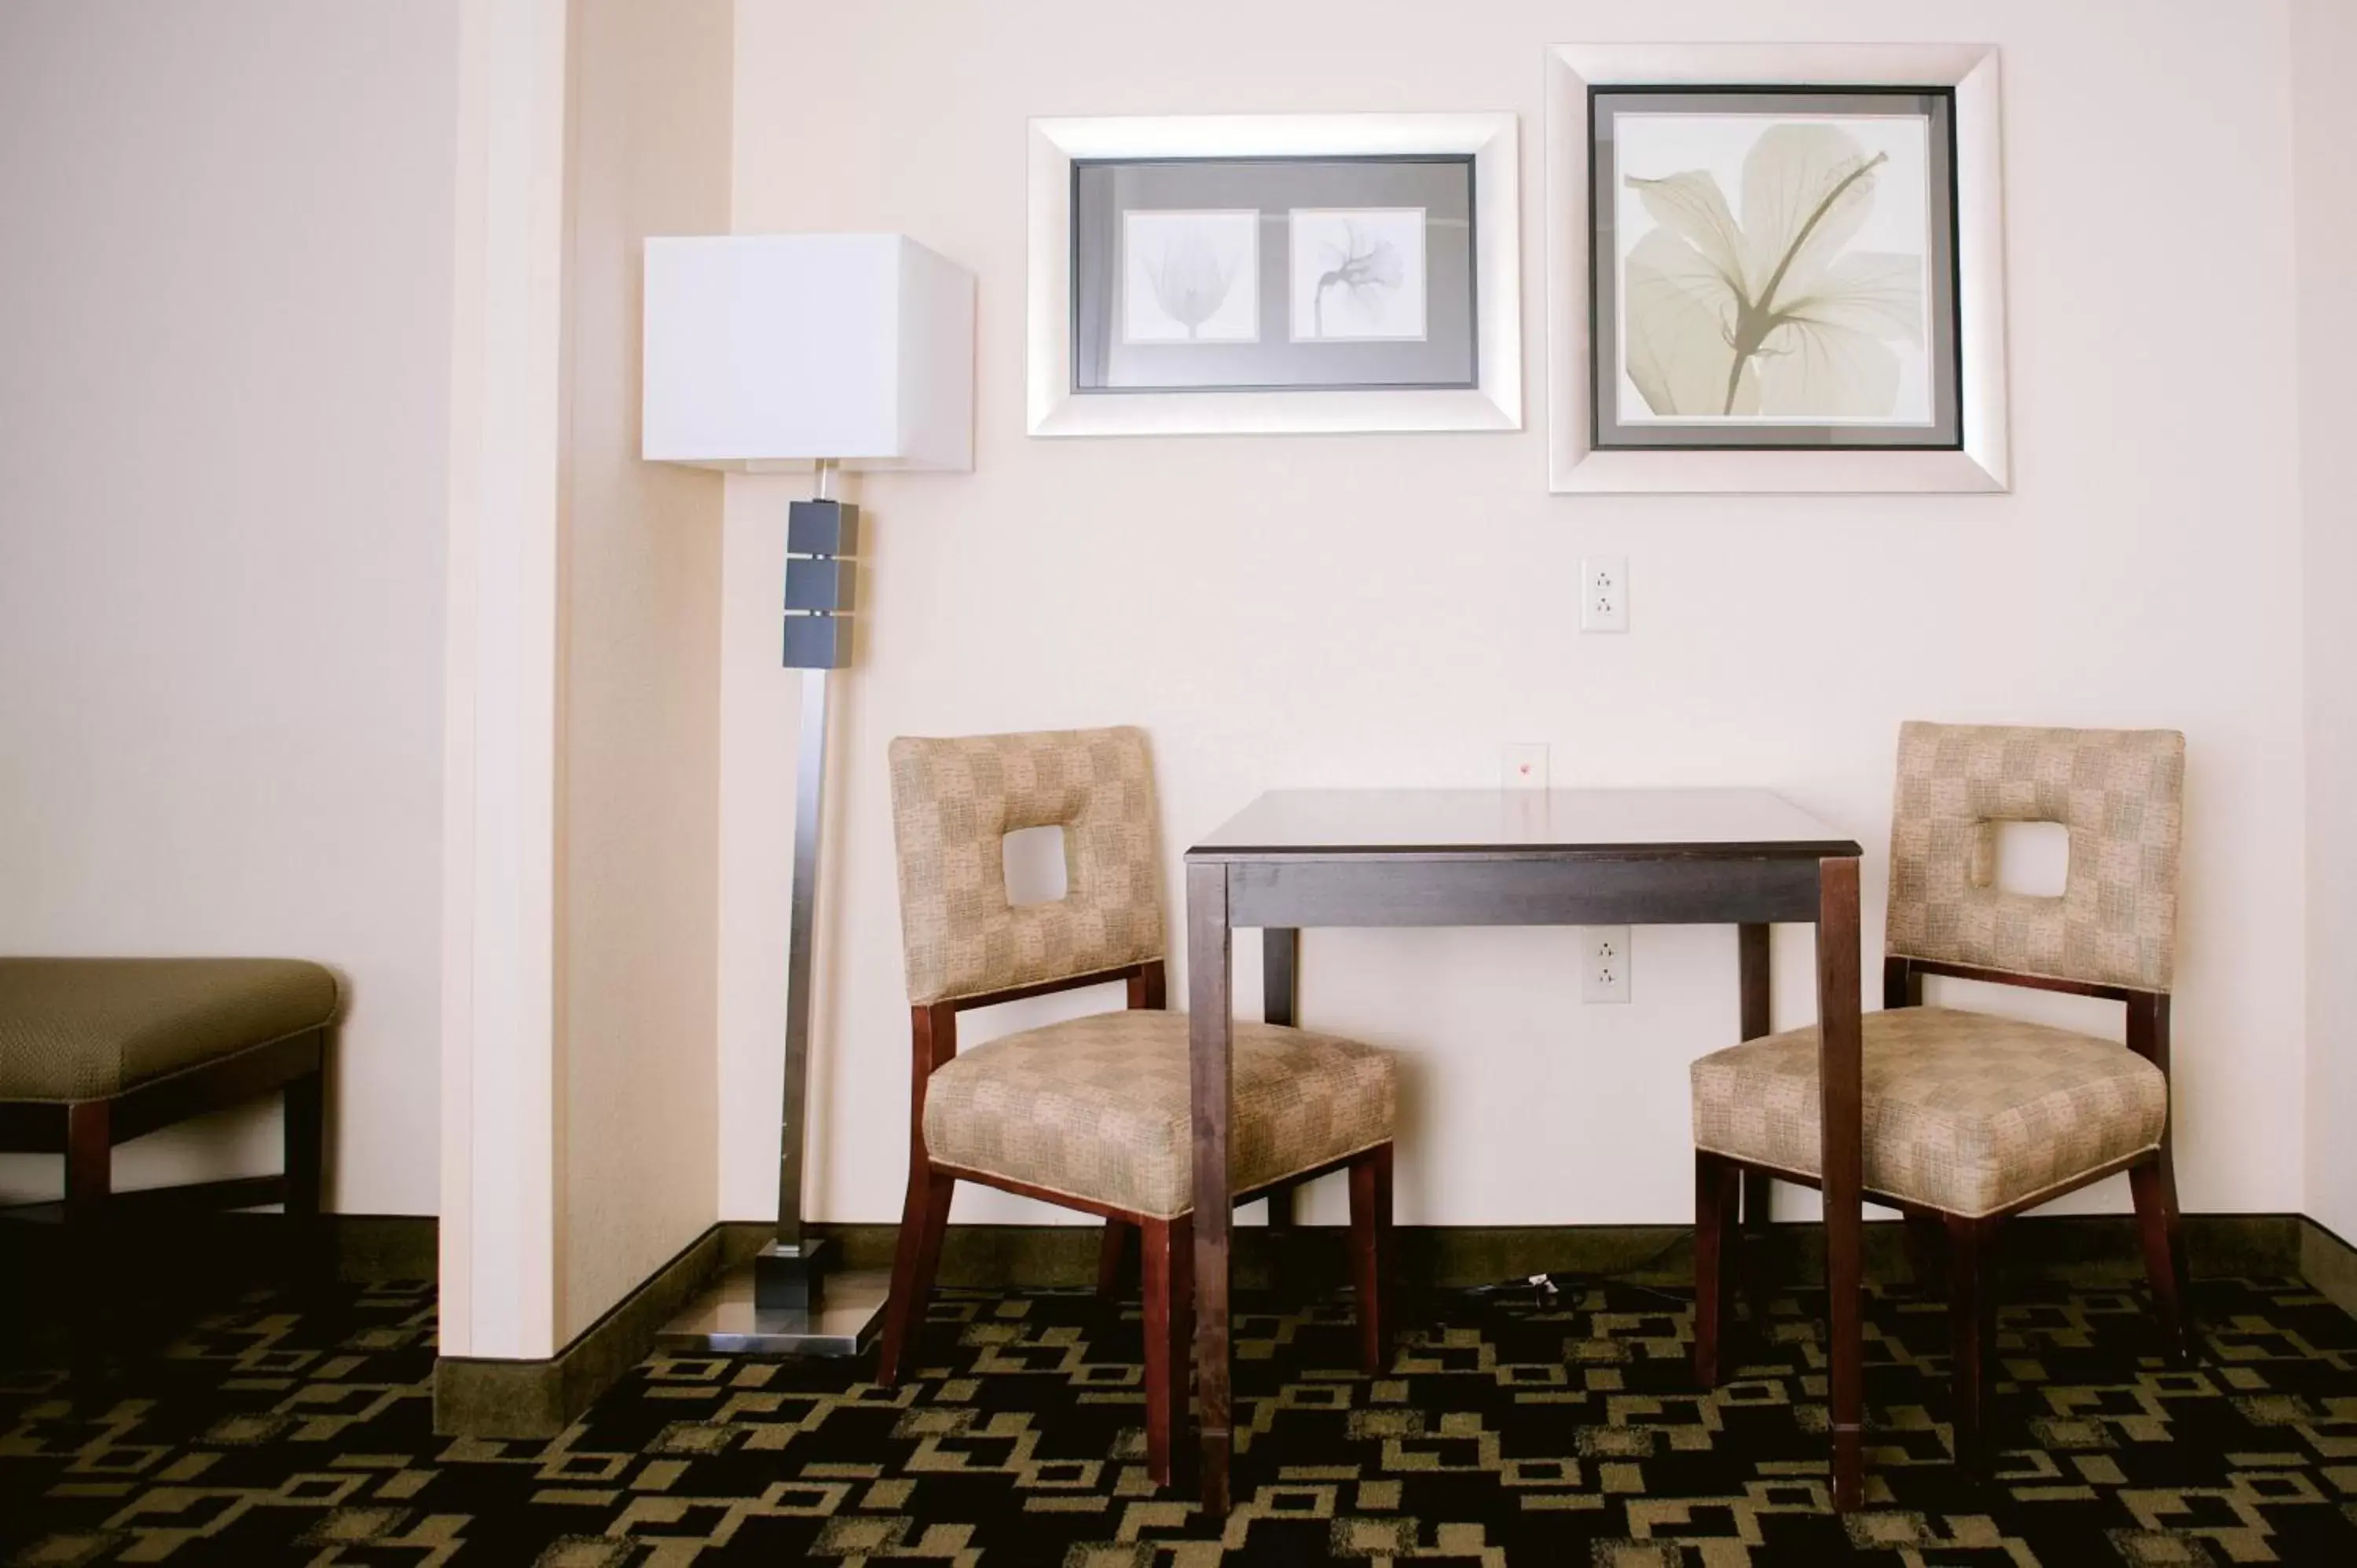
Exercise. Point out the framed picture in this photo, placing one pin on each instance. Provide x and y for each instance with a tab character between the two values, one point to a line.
1774	268
1294	273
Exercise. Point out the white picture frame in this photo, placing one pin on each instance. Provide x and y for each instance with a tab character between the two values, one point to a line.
1982	465
1494	403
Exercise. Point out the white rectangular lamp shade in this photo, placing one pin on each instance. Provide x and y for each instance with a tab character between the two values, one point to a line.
769	351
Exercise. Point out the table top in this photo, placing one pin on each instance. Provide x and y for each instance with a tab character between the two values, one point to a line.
1603	823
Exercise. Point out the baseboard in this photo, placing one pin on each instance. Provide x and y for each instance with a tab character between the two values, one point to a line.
487	1397
366	1247
998	1257
2330	1264
371	1247
481	1397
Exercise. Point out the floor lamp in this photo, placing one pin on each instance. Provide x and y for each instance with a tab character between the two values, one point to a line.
779	352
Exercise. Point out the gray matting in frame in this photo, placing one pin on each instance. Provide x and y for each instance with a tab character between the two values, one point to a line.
1265	347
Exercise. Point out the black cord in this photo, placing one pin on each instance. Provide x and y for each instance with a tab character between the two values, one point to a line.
1544	1288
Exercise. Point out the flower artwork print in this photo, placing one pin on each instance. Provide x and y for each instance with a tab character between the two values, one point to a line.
1191	277
1358	273
1778	276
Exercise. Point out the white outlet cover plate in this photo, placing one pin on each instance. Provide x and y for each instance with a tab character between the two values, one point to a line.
1604	593
1604	963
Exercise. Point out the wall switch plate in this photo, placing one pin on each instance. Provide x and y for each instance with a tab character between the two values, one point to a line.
1526	765
1604	593
1604	963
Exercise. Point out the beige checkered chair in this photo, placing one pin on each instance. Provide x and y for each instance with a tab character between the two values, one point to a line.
1092	1113
1970	1117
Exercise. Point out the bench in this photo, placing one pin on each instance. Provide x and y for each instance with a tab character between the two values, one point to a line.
97	1051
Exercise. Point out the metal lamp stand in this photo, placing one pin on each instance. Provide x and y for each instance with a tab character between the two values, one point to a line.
789	1303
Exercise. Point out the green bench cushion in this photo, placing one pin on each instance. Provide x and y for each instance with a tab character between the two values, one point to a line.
84	1028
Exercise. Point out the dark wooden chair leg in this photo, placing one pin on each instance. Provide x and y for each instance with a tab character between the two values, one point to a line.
1116	1255
1167	1275
90	1165
2154	1187
1926	1240
1285	1275
1717	1192
1751	1257
924	1220
1972	1328
306	1132
1371	1260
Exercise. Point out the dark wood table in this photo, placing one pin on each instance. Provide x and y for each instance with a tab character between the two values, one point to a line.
1501	857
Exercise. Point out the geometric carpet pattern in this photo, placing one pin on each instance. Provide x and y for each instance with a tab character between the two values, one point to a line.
1510	1429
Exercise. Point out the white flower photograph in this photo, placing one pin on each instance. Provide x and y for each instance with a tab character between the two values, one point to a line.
1774	269
1191	276
1358	275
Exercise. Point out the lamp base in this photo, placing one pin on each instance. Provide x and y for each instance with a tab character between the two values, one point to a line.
725	1320
787	1279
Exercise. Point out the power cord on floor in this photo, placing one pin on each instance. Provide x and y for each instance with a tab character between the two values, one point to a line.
1547	1289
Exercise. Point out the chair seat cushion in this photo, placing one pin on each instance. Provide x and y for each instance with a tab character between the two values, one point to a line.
84	1028
1964	1112
1096	1108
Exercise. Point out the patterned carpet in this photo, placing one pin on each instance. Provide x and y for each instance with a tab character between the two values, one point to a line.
1519	1431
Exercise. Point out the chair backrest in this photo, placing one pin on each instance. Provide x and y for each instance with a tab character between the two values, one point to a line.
954	803
2118	793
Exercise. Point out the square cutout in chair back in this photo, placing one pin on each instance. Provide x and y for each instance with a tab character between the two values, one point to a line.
2119	794
2031	858
1034	862
953	804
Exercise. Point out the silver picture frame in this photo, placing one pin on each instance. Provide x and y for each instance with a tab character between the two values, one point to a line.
1588	451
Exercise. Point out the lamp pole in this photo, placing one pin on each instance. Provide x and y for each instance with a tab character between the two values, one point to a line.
821	541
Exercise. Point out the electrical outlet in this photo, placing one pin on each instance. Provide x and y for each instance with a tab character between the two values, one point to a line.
1604	593
1526	765
1604	963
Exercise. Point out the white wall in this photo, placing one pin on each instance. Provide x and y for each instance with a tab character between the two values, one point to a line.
2324	52
583	694
224	293
1281	611
642	706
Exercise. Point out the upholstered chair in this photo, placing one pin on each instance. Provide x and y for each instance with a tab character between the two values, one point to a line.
1970	1117
1092	1113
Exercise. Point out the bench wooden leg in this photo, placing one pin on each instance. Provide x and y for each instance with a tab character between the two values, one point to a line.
89	1180
305	1135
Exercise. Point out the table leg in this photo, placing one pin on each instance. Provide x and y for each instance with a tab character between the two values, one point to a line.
1842	1158
1748	1250
1280	964
1280	970
1209	1036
